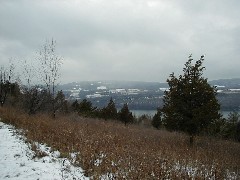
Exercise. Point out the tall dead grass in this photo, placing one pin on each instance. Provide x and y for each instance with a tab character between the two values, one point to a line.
110	150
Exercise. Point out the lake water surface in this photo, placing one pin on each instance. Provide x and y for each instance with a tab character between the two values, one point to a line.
151	113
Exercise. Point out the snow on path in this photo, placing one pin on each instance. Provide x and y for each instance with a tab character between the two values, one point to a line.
17	162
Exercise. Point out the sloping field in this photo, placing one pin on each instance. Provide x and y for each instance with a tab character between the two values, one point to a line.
110	150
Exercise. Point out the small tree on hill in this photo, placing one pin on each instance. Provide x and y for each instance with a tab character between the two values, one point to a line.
75	106
238	131
125	115
230	128
157	119
61	103
110	112
190	105
33	99
86	108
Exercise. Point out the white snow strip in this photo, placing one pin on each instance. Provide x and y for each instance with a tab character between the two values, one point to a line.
17	160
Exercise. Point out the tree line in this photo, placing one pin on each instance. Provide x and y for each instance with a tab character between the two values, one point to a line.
109	112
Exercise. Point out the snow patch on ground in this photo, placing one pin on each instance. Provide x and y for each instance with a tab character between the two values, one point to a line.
17	160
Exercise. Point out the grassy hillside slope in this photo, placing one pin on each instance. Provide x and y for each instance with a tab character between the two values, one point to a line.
111	150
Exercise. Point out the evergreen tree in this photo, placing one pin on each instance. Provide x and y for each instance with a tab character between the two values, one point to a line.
110	112
230	128
190	105
86	108
125	115
75	106
32	100
157	119
238	131
61	103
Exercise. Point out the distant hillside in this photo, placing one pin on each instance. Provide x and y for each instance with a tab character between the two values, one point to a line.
91	85
228	83
143	95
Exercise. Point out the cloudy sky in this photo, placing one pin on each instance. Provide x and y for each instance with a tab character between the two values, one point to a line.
142	40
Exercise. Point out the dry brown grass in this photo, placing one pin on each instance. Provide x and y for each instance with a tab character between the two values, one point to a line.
109	149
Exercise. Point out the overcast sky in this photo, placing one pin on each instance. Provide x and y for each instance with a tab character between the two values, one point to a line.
142	40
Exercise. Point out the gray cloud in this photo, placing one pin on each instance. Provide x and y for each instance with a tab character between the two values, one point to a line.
124	40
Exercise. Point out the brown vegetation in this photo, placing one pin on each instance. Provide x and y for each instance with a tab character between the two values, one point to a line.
111	150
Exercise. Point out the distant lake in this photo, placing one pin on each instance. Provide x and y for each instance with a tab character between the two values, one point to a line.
226	113
151	113
139	113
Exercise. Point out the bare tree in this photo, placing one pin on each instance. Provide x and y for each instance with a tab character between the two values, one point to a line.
6	82
29	74
3	90
50	69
